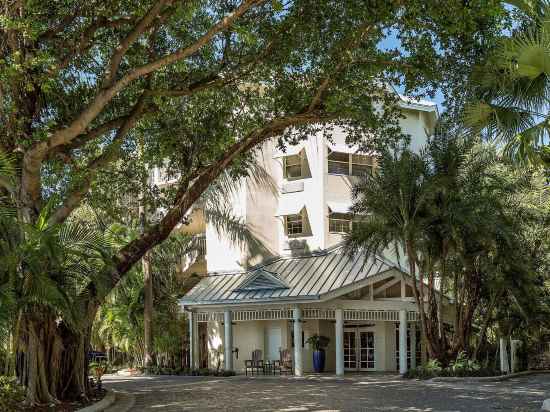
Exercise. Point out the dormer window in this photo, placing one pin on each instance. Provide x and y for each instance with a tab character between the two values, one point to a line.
341	163
362	165
338	163
339	223
294	224
293	166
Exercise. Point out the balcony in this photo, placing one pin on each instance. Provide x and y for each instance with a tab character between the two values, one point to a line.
199	244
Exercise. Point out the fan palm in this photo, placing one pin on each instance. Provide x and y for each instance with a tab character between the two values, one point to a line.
514	88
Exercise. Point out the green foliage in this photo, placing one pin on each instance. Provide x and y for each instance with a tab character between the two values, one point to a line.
461	367
463	216
431	369
12	395
512	88
318	342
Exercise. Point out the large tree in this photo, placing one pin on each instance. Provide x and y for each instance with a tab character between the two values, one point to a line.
196	85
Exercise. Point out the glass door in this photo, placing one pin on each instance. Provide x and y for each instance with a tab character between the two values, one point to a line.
350	349
359	352
366	350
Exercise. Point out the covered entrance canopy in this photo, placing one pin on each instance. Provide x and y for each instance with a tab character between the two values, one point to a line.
327	289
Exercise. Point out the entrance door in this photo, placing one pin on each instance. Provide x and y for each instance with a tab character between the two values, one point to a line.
350	349
359	351
274	343
366	350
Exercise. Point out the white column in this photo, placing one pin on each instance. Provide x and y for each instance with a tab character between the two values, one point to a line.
228	338
193	341
503	356
402	341
298	365
413	344
339	334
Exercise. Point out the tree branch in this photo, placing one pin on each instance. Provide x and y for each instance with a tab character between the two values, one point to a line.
32	161
86	39
74	198
134	34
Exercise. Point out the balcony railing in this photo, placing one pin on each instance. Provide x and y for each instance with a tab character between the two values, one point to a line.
199	244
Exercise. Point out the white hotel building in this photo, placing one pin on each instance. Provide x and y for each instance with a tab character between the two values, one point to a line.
302	283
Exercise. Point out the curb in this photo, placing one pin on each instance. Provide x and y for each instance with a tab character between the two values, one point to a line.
546	405
103	404
488	378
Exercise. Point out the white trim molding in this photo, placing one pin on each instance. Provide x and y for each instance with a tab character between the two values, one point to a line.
308	313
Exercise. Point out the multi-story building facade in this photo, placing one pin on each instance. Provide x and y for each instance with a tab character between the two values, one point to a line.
300	282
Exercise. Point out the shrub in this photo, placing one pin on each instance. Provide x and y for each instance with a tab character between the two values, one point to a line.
460	367
12	395
430	370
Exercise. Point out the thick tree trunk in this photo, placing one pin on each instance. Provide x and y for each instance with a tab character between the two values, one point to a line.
468	303
486	323
54	362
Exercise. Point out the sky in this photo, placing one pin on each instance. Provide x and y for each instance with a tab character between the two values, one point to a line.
391	42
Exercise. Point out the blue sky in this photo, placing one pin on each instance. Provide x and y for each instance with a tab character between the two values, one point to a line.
391	42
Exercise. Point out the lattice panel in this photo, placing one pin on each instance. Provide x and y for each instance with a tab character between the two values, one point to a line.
307	313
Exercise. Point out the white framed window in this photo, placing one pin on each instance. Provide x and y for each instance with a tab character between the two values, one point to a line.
340	163
339	223
293	166
294	224
361	165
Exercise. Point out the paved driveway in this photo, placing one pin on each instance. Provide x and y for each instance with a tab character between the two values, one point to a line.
355	394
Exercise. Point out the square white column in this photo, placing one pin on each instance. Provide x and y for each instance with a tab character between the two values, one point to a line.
193	341
339	334
413	345
402	341
504	365
228	338
298	365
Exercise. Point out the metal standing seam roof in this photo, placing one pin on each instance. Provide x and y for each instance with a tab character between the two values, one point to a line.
303	277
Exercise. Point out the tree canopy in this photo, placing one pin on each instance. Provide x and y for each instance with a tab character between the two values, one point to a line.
94	94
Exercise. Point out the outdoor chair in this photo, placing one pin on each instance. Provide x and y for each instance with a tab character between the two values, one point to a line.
254	364
284	364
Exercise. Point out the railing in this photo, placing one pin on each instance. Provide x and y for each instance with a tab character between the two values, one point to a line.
199	242
308	313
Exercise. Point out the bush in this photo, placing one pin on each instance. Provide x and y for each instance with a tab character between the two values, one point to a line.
430	370
460	367
12	395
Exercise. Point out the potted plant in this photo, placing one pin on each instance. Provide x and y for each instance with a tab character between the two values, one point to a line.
319	344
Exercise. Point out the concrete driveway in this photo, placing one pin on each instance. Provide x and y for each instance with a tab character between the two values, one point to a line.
371	392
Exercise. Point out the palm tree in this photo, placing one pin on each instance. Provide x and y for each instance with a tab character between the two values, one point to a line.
391	205
513	88
448	210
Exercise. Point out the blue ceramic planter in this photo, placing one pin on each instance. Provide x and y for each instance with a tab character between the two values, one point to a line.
319	361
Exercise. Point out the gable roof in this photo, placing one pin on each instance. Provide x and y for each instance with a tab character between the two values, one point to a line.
311	277
261	279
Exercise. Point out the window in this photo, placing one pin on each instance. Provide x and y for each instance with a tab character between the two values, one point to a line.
338	163
294	224
361	165
293	166
339	223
